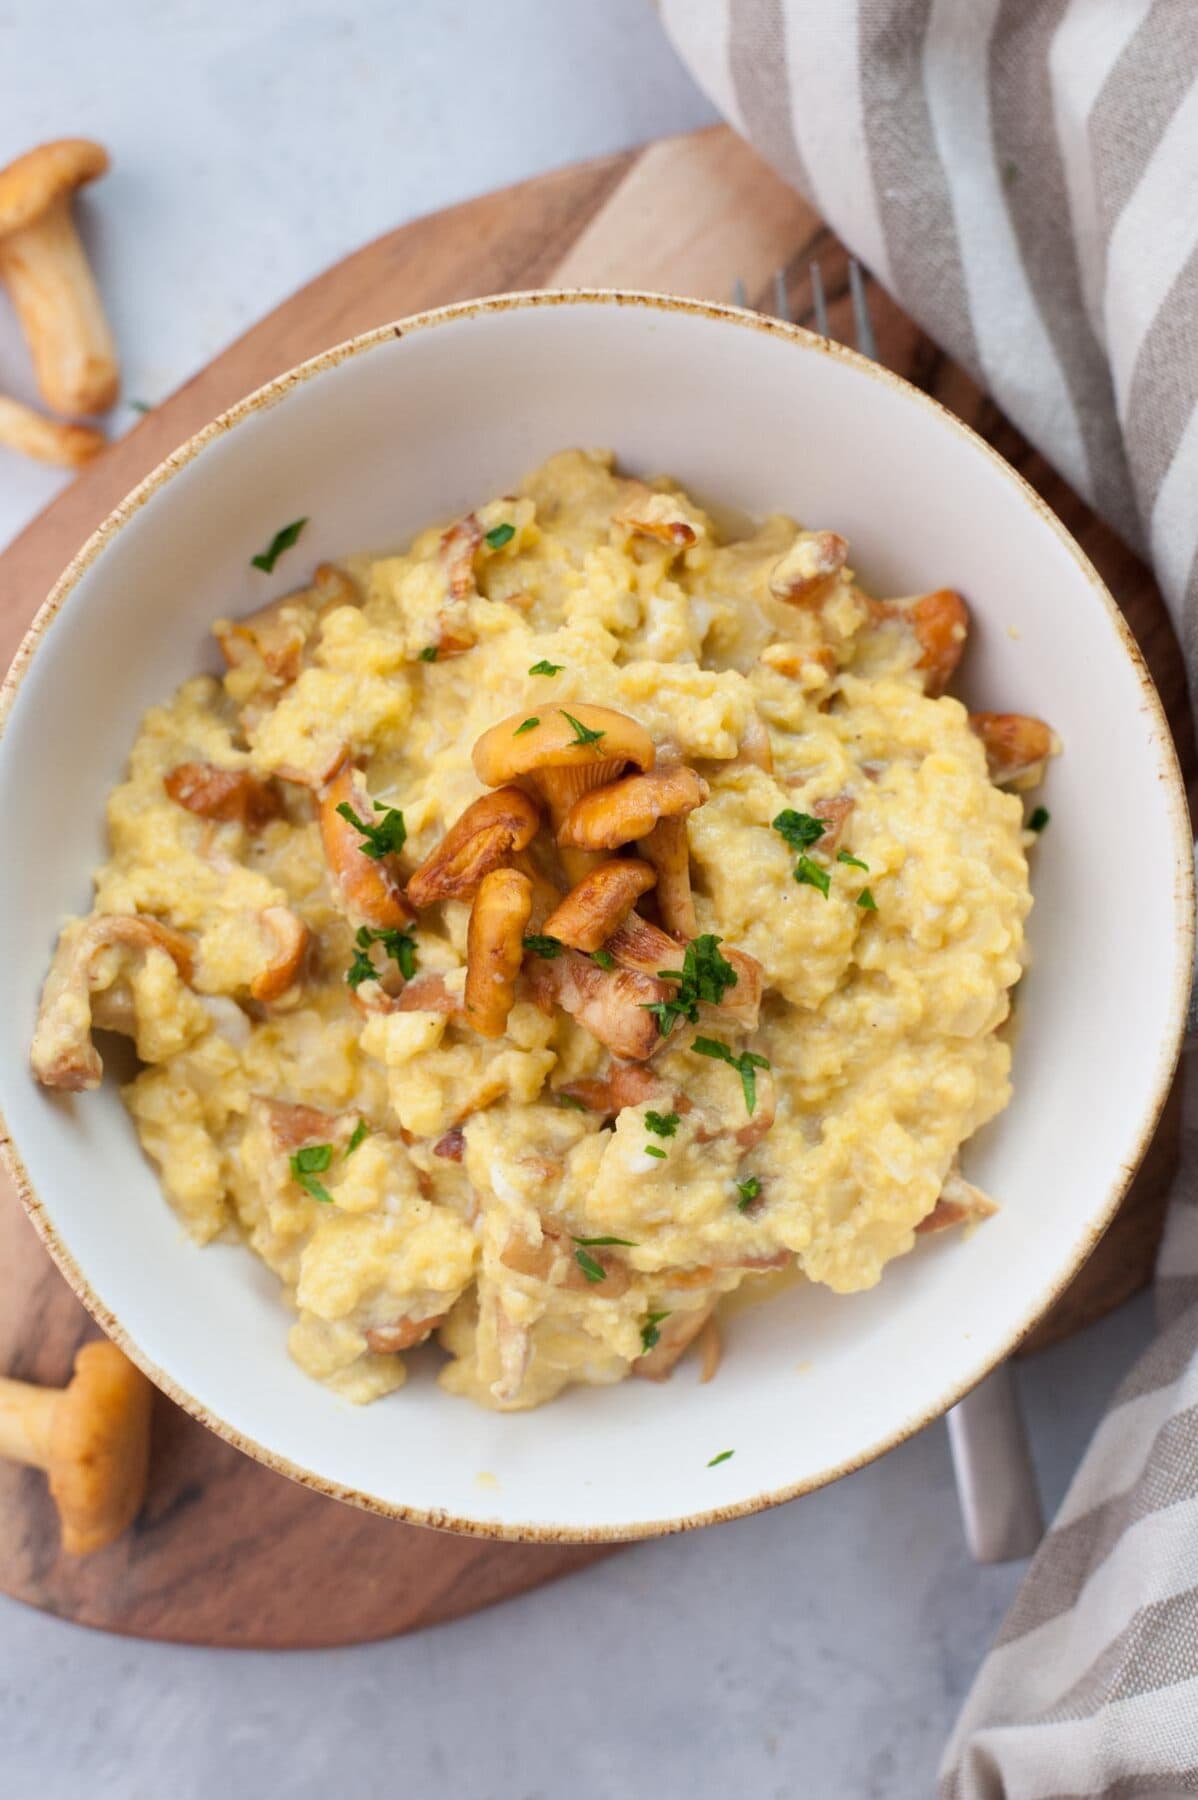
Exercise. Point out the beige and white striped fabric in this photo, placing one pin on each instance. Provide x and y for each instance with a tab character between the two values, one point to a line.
1023	176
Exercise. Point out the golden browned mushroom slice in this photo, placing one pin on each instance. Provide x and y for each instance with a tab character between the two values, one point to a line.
495	948
960	1203
940	622
553	1261
675	1334
369	887
488	832
292	1124
665	517
287	939
404	1334
62	1053
66	446
1017	747
626	1084
610	1004
43	265
833	814
602	900
228	795
424	993
652	809
808	569
642	946
459	547
92	1438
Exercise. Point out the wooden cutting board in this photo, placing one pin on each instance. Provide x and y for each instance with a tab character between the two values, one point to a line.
225	1551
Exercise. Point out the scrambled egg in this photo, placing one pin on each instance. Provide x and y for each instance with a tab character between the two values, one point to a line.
548	1210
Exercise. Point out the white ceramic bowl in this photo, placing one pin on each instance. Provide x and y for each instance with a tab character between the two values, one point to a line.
414	423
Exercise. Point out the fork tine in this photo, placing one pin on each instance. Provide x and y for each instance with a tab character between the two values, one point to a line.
818	302
867	343
739	297
781	298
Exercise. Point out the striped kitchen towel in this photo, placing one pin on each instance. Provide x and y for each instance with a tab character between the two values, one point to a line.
1023	176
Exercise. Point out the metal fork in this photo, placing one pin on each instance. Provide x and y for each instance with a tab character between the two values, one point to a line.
996	1482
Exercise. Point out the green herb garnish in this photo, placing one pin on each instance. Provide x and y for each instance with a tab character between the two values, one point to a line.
141	406
591	1267
866	900
498	536
799	829
309	1162
748	1191
582	733
854	862
652	1150
662	1124
361	1132
396	944
569	1100
746	1064
604	958
650	1335
809	874
546	668
597	1243
722	1457
429	653
548	947
1039	819
282	540
702	979
528	725
384	837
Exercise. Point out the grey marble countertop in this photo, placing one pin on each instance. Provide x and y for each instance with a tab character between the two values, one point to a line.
819	1650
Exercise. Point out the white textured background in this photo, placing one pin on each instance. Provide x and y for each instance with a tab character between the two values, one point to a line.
818	1651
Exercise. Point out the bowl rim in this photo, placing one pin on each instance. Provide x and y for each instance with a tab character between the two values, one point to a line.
269	395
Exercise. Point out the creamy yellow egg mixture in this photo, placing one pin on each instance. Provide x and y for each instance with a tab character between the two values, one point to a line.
708	984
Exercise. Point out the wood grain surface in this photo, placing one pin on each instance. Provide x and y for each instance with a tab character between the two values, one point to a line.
226	1552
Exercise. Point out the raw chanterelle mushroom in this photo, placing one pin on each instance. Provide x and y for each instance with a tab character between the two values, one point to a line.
43	265
62	1053
66	446
93	1439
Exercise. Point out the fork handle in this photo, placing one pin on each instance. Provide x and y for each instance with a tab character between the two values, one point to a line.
996	1484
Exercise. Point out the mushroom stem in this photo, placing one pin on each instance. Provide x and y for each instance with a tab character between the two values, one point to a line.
66	446
26	1422
47	273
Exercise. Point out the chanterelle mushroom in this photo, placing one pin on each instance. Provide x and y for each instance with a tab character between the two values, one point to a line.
287	939
622	811
1017	746
66	446
600	902
62	1053
92	1438
495	948
489	831
43	265
369	886
809	567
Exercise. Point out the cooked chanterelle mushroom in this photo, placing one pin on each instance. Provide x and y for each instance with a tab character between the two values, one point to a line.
548	928
66	446
91	1437
45	269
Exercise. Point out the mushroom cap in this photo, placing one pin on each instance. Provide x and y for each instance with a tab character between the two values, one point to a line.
551	753
622	811
100	1448
34	181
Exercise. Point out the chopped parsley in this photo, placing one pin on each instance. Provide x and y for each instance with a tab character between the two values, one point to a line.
396	944
799	829
384	837
748	1191
570	1101
141	406
545	667
590	1265
498	536
361	1132
650	1335
582	733
866	900
746	1064
429	653
548	947
309	1162
662	1124
599	1242
604	958
528	725
809	874
703	978
282	540
854	862
722	1457
652	1150
1039	819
